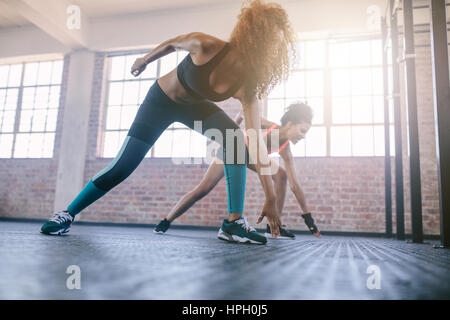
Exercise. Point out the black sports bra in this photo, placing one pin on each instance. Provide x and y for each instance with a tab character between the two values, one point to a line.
195	79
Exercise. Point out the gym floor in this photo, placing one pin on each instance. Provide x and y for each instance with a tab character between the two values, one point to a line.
119	262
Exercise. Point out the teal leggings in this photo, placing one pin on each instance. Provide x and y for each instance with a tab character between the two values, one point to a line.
155	114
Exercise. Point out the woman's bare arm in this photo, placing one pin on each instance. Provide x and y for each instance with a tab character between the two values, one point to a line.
194	42
253	123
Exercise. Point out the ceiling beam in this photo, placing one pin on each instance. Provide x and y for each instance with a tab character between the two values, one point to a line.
51	16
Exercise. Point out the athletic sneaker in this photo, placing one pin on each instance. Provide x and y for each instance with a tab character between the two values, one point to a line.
284	234
162	226
58	224
240	231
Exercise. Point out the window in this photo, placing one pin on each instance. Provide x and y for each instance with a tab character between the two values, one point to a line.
342	81
305	84
126	93
29	102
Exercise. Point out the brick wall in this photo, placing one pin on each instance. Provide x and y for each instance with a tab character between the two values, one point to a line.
345	194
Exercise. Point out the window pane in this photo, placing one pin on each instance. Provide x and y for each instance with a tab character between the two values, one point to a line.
47	149
131	92
361	82
339	54
54	97
28	97
51	120
376	52
316	144
7	120
127	116
360	53
379	140
168	63
315	54
298	149
38	122
31	72
113	118
117	68
143	90
15	75
6	145
111	144
378	109
150	71
341	143
21	145
317	105
163	146
36	145
11	99
362	141
295	85
25	120
44	73
115	93
340	83
362	110
277	92
198	145
275	110
341	110
4	72
42	95
57	72
377	81
314	83
181	142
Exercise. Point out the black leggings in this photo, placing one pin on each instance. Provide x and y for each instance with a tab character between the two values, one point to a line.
155	114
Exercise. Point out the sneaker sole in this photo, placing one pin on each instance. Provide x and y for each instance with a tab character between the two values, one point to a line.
57	233
269	235
234	238
159	232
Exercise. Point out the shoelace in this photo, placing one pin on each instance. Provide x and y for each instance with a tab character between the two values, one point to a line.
247	225
61	217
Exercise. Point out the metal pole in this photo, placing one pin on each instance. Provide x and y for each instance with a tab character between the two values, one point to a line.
441	87
413	127
400	220
387	147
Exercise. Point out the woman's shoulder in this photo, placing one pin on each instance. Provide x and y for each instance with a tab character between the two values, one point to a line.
208	42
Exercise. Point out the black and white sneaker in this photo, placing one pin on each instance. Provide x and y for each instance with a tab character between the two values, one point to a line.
58	224
162	226
284	234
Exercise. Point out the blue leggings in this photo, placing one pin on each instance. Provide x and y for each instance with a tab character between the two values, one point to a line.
155	114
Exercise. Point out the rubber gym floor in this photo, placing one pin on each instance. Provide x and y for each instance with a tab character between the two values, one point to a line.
120	262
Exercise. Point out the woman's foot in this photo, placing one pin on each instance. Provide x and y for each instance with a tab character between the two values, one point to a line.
284	234
162	226
240	230
58	224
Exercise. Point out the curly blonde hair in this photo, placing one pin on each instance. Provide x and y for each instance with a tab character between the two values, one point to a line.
265	39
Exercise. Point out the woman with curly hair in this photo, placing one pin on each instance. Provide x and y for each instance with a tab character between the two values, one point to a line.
246	67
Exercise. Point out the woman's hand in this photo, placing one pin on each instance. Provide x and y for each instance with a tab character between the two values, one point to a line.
270	211
138	66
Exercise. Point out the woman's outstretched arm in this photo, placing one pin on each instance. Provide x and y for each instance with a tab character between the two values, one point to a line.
263	168
193	42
